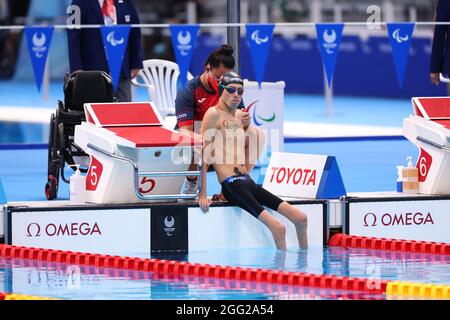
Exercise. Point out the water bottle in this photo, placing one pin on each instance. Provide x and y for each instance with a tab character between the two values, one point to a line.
77	186
411	178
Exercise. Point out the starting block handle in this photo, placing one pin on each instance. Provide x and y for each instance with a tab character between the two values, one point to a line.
138	174
169	173
433	144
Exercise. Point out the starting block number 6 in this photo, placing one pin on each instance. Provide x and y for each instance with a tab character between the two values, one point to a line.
424	165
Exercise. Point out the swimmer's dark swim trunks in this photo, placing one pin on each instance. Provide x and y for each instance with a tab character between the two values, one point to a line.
242	191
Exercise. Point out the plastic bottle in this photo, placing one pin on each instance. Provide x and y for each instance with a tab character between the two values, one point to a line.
77	186
410	178
400	178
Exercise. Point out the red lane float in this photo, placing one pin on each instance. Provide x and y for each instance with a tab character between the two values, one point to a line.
347	241
166	268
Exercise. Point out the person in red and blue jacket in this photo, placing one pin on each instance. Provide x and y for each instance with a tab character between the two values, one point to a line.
201	93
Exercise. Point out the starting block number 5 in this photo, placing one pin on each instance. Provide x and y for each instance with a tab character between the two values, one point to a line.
424	165
146	185
94	174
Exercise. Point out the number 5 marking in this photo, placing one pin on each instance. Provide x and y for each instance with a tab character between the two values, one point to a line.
94	179
151	183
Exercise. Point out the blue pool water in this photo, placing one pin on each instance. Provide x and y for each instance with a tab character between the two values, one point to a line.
78	282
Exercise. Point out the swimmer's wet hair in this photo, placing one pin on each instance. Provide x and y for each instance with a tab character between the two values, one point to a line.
222	55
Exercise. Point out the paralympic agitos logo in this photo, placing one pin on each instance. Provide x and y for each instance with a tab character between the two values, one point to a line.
59	230
257	118
397	219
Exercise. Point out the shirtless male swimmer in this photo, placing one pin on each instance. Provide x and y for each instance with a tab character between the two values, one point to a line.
224	148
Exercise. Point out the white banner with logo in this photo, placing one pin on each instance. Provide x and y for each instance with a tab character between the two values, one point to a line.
425	220
233	228
294	175
266	109
304	176
124	231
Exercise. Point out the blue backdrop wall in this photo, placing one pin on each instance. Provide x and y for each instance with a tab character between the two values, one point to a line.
364	68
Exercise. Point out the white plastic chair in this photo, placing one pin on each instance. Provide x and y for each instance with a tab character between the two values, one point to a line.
160	78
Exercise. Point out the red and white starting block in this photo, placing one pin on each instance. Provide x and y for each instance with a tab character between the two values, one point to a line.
133	158
429	129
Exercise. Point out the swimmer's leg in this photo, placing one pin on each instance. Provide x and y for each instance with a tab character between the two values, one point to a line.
277	228
241	193
299	219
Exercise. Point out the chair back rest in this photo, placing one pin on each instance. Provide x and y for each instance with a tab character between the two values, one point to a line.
87	87
161	77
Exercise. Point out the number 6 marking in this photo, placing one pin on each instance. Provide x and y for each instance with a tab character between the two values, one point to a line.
423	166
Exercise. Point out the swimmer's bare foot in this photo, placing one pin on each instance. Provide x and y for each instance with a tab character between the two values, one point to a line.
219	197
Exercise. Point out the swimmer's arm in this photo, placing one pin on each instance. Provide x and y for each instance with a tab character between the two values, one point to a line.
203	201
210	121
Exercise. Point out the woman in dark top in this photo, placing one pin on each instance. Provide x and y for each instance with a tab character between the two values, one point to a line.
440	55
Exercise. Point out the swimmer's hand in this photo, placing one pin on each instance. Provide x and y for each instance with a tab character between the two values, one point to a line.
245	119
204	203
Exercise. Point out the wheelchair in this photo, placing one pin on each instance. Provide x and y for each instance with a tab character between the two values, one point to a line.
79	88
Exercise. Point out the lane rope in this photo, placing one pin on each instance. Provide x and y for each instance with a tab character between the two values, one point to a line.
177	269
349	241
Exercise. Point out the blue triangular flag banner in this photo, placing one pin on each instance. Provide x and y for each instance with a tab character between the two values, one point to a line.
259	37
39	40
331	185
115	40
400	35
183	43
329	39
2	194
